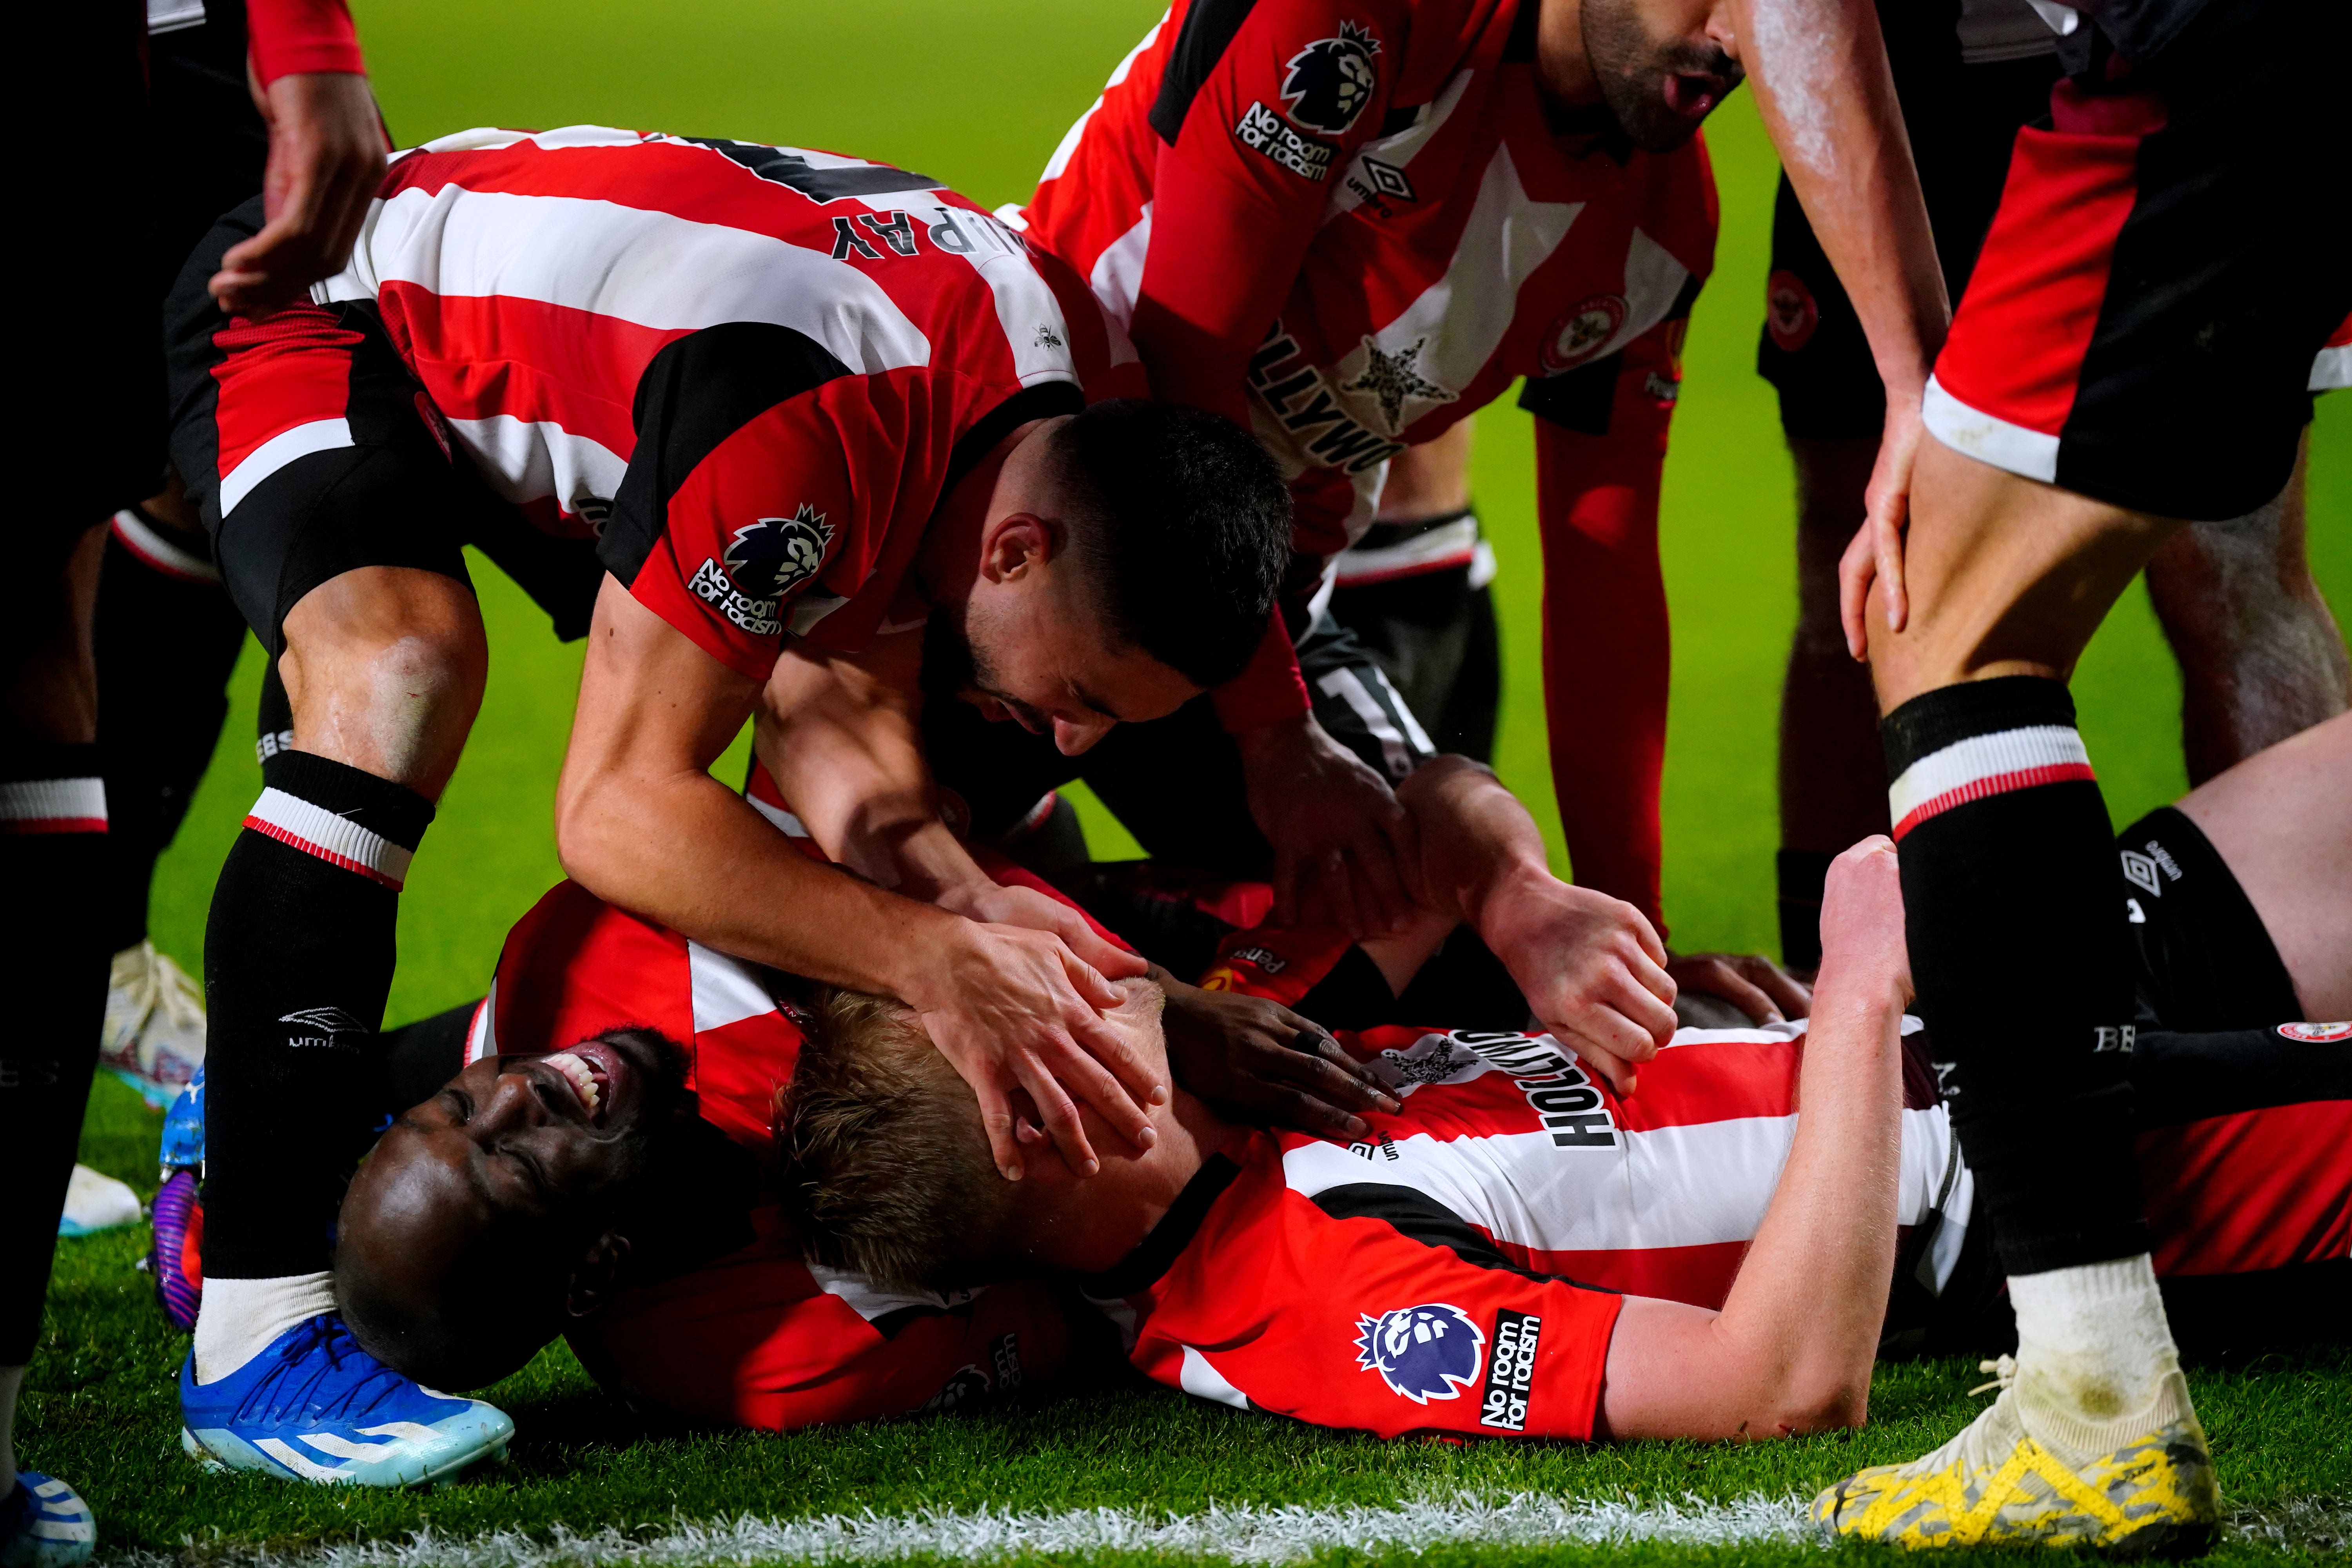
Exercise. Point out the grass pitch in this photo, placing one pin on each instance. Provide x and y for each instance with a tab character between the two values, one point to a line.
978	95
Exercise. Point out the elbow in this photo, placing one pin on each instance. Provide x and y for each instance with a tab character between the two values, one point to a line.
577	842
1822	1401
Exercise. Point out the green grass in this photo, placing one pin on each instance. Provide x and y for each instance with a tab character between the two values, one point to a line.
978	94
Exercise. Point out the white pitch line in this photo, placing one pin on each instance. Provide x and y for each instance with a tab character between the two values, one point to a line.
1244	1535
1250	1535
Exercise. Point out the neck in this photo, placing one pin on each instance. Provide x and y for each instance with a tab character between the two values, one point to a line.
1562	69
946	563
1096	1221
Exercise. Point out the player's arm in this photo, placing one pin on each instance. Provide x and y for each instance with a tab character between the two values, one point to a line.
1590	966
1791	1350
326	152
1820	73
841	736
641	823
1239	189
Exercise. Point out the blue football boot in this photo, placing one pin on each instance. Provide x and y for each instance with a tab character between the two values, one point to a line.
314	1406
43	1523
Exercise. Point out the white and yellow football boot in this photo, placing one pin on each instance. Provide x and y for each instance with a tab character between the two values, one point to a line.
2136	1484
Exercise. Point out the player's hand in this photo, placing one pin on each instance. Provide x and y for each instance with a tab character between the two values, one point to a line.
1341	844
1016	1010
1259	1062
1862	940
1876	552
1591	967
1750	982
992	902
326	159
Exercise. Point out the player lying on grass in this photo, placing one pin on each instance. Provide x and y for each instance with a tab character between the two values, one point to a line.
700	1305
707	397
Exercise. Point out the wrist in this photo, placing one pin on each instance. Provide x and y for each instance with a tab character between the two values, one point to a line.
1866	998
1259	740
934	944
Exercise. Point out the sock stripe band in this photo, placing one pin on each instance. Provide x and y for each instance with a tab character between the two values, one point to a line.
53	806
159	553
337	840
1985	765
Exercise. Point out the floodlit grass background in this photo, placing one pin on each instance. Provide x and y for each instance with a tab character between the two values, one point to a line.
977	95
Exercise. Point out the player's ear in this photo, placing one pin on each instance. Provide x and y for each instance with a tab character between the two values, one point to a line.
596	1276
1017	546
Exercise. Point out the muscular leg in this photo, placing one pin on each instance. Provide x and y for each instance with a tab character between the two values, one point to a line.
383	668
1833	772
2009	870
2260	657
167	640
53	958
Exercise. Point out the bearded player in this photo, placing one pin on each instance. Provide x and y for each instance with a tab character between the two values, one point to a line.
1351	224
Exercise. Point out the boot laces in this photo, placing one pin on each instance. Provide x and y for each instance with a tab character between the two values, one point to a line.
322	1348
2004	1375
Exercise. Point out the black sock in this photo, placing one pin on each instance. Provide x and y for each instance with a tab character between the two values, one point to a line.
167	639
298	960
2022	963
53	971
1802	874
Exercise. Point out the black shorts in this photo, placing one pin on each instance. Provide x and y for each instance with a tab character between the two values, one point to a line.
2205	960
1175	783
310	450
2221	1064
2164	268
1962	119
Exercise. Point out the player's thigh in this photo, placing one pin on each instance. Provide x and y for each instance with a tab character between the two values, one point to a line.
2006	576
2282	820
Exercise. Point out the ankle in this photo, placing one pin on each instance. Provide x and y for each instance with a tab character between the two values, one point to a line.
242	1318
2094	1348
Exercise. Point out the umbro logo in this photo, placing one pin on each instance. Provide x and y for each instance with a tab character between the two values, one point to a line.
320	1027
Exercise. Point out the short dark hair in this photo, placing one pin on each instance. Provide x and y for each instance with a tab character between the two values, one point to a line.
885	1170
1182	522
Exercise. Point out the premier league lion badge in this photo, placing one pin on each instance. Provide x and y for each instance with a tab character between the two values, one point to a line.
1425	1353
767	559
1327	83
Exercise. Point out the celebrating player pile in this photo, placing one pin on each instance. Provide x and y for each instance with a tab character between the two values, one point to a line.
1345	1107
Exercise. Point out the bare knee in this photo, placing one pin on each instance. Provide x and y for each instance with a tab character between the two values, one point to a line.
384	669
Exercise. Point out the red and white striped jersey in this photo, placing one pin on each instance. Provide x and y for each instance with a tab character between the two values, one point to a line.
1420	1279
1354	216
754	371
756	1338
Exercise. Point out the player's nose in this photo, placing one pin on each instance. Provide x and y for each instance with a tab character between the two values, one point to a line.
1074	737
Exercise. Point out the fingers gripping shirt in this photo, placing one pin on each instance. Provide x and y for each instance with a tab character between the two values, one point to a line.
755	372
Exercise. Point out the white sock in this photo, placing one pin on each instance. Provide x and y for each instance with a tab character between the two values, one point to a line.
2094	1352
240	1318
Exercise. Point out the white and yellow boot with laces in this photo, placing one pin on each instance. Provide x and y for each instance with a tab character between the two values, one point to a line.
2030	1471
